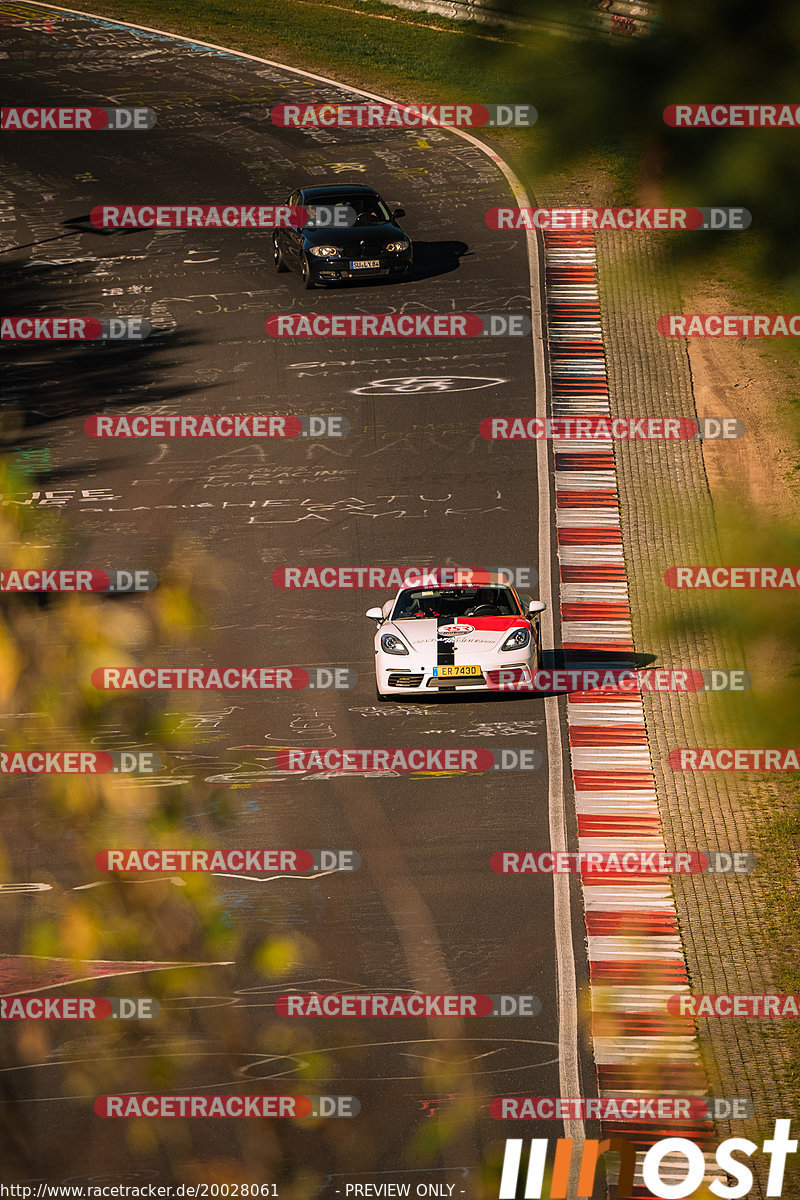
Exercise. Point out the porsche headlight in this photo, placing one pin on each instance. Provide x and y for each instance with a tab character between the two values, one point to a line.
395	247
325	251
392	644
517	640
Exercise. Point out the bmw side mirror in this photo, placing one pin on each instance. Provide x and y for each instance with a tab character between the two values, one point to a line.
398	212
536	606
375	614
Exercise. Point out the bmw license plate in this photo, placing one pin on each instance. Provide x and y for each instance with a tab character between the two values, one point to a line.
371	263
455	672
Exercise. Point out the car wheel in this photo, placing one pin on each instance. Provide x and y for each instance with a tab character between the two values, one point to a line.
277	255
305	273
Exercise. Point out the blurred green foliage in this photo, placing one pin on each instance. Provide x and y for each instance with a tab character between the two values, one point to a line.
603	95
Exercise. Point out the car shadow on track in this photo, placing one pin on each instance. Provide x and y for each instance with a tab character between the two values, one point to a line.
437	258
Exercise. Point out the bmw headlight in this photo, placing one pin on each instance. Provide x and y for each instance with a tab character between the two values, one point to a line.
517	640
325	251
393	645
396	247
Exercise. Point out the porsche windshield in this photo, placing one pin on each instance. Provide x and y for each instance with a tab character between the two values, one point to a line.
455	602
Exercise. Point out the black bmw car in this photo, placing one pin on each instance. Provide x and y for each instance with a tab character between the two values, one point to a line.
373	245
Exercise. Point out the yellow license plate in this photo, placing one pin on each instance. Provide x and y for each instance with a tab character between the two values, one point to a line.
456	672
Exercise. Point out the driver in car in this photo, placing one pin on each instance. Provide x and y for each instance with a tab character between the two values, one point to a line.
485	604
369	215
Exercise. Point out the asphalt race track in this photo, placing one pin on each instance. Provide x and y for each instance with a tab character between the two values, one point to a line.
412	483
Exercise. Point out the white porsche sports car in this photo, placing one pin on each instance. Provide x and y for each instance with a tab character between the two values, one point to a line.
477	637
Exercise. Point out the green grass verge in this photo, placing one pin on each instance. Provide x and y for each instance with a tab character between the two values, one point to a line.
406	55
777	850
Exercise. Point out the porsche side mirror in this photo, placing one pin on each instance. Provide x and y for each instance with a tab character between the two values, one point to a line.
374	614
398	212
536	606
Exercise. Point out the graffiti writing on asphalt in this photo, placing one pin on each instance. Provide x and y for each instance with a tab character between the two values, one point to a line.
402	385
401	505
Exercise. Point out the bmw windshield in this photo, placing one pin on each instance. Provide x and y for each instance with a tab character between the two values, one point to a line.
369	210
